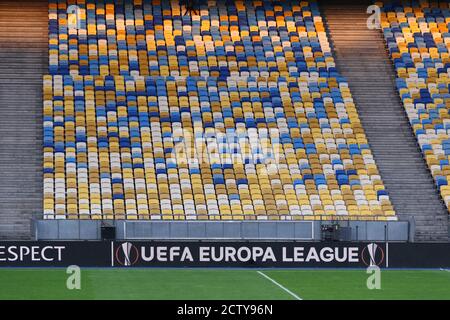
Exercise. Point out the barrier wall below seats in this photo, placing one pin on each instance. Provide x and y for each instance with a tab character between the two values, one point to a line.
218	230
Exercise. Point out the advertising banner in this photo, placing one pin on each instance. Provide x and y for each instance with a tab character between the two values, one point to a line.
223	254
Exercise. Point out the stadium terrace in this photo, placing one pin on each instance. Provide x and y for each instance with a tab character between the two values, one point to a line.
224	150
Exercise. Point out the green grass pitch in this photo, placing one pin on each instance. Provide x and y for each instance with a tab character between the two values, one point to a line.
222	284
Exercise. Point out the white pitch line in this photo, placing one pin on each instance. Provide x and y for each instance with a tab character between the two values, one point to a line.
280	286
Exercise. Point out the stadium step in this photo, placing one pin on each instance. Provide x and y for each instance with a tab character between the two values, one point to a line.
23	61
362	58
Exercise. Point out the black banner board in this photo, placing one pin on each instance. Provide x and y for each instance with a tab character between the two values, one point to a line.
223	254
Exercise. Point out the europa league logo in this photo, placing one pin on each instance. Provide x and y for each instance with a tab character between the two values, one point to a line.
127	254
372	255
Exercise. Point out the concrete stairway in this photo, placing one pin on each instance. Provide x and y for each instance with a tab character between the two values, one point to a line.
362	58
23	61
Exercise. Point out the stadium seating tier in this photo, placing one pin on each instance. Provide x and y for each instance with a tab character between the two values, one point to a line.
418	41
235	113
